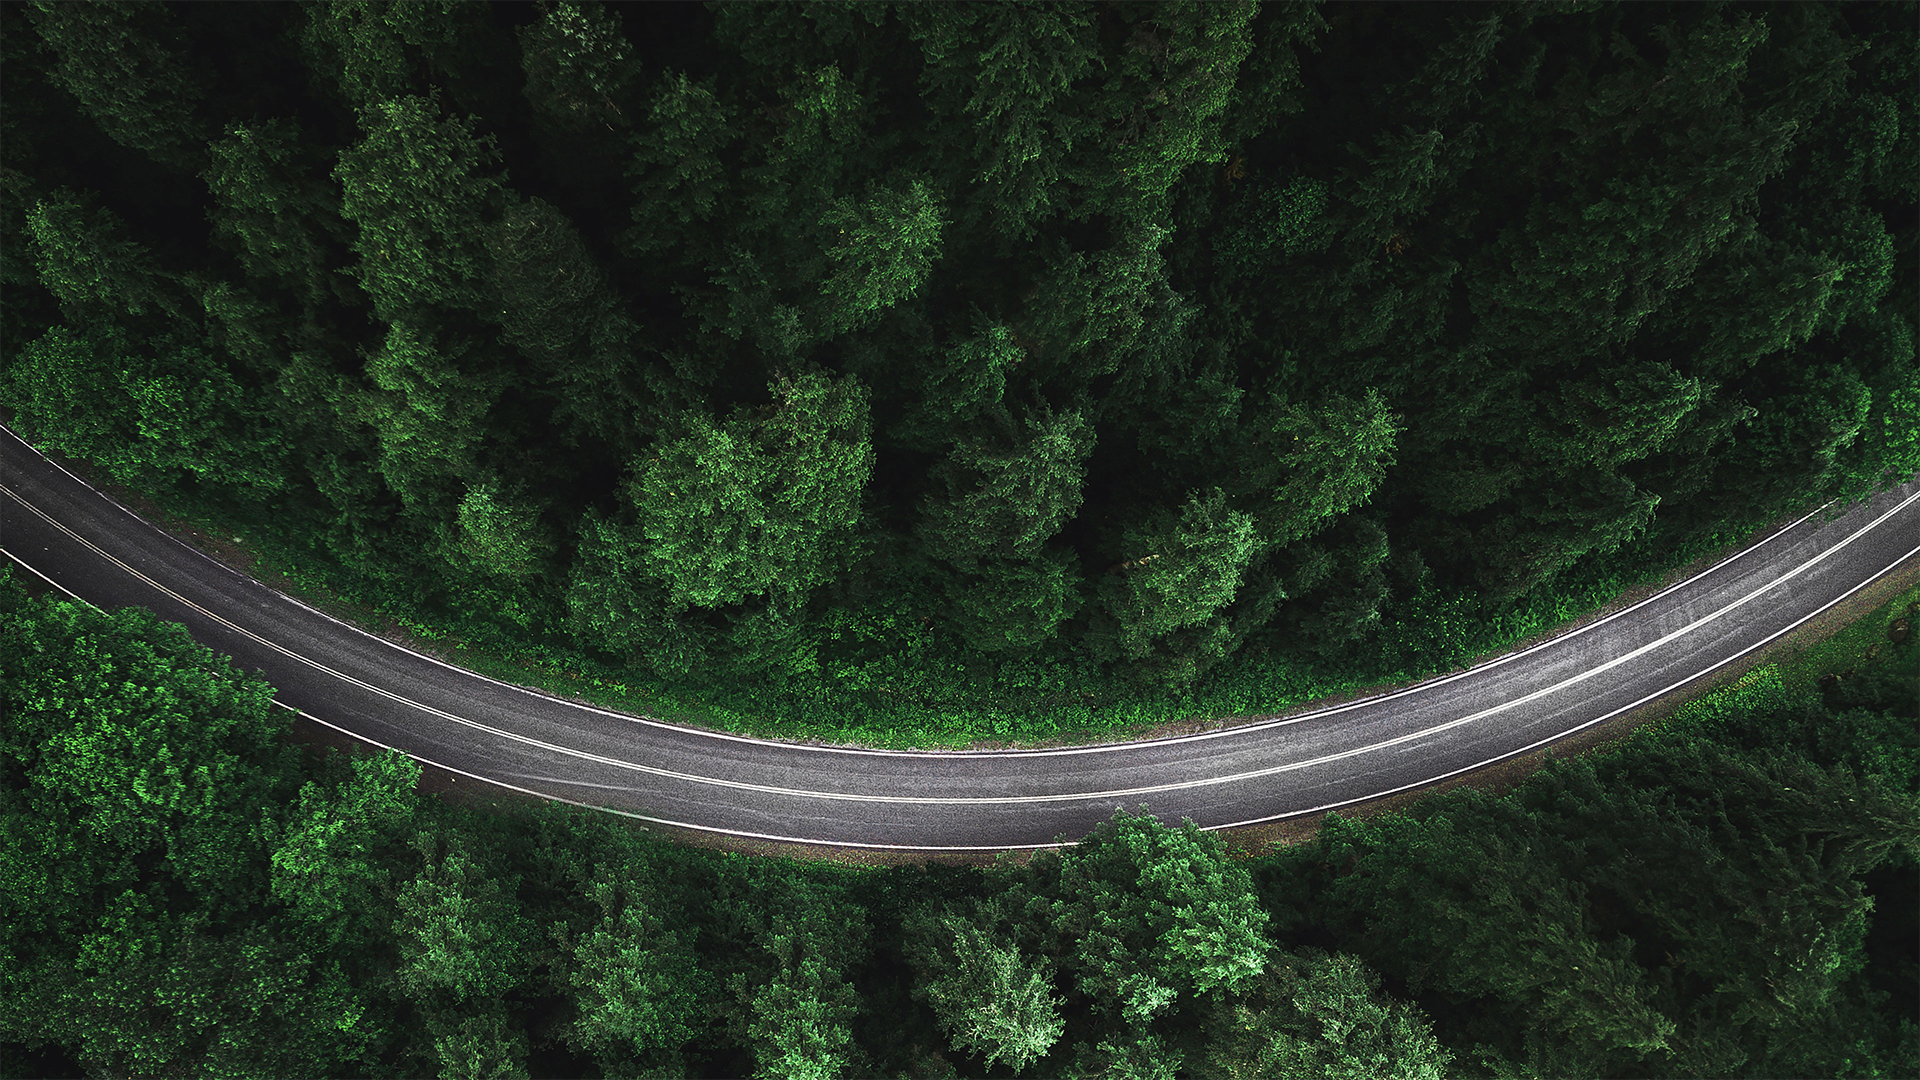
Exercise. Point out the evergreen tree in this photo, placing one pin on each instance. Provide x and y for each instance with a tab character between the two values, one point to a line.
991	1000
757	505
1315	1015
272	204
1180	571
1006	503
91	266
114	58
635	982
677	169
580	73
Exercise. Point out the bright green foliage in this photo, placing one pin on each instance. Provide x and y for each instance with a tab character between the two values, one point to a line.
87	261
501	534
578	66
884	248
991	999
1129	1056
678	173
417	188
1145	916
114	62
135	771
147	414
460	932
1314	464
615	604
273	205
1180	570
637	983
1006	503
1324	1017
798	1019
327	868
487	1045
760	503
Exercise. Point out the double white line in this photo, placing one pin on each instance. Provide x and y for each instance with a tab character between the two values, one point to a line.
1110	795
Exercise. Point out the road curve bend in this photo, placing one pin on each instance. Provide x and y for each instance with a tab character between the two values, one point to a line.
81	541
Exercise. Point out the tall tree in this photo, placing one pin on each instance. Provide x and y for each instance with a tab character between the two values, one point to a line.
1006	502
418	188
114	58
759	504
273	204
1178	573
1315	1015
991	999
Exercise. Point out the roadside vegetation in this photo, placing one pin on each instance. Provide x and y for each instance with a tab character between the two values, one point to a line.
1729	894
935	374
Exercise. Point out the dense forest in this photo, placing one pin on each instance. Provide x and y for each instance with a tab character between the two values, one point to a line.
790	346
183	892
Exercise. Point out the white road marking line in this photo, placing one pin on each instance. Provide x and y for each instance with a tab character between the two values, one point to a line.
739	785
1098	748
1849	539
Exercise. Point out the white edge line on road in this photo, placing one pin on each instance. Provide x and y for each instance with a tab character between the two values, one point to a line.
1240	729
1026	847
1292	766
575	802
737	785
1624	708
1031	847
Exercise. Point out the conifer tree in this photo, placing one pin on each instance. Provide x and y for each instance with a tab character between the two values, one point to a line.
115	60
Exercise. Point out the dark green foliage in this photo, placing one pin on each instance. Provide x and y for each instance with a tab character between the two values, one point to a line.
416	189
274	207
90	266
1315	1015
189	895
115	61
580	74
1472	315
1451	305
1181	571
1006	503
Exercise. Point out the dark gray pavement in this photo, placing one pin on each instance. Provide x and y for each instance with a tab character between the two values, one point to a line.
85	543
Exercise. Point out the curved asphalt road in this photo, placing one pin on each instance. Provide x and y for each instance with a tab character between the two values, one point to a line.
85	543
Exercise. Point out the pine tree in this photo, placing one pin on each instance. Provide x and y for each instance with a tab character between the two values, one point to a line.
115	60
759	504
418	189
273	205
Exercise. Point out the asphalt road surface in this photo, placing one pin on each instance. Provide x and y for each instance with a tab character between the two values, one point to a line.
88	545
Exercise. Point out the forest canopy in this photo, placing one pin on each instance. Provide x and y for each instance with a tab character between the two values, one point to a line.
736	339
